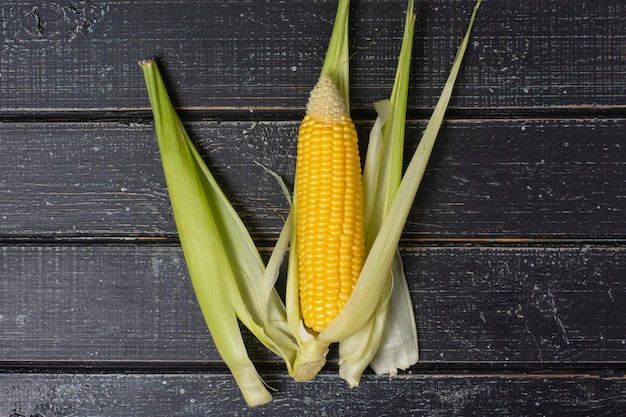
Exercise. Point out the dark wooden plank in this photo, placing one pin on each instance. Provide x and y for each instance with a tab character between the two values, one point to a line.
500	306
217	395
491	178
528	318
82	179
82	55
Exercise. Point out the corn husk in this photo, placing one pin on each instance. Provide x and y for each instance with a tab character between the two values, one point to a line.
224	265
360	326
389	341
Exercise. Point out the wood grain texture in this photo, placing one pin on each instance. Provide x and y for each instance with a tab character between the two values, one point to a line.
514	250
474	305
204	395
487	178
59	56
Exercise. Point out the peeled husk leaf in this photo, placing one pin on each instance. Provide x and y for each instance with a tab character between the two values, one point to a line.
389	340
225	267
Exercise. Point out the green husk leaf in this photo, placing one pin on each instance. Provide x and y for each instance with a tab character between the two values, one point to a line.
272	272
357	351
292	291
279	180
363	302
262	312
337	61
376	167
398	348
390	338
225	268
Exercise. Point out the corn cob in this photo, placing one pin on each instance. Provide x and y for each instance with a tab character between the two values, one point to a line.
329	192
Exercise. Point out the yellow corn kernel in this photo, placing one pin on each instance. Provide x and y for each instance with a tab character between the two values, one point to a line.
329	207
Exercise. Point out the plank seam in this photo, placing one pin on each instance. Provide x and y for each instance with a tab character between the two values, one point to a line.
594	370
144	116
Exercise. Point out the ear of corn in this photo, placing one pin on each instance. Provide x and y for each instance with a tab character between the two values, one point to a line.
372	315
327	242
373	288
330	207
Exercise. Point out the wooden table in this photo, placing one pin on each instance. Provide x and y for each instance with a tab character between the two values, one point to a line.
514	250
